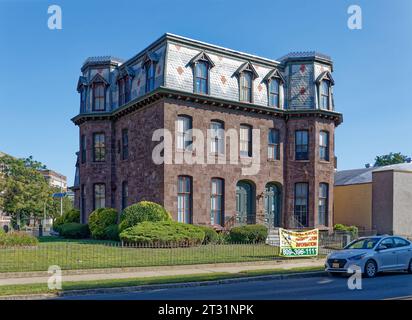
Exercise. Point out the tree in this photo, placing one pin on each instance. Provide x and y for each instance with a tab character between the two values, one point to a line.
24	191
391	158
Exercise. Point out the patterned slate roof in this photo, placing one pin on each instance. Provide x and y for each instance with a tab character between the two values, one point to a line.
305	54
358	176
103	59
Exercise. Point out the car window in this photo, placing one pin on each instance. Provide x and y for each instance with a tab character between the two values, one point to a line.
399	242
388	243
367	243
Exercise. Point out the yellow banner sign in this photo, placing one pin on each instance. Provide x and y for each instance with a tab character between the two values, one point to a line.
299	243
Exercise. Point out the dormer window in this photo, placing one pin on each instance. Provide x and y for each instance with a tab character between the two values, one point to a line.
324	94
150	76
324	85
246	74
124	90
98	96
246	87
275	81
274	93
201	77
98	86
201	65
150	60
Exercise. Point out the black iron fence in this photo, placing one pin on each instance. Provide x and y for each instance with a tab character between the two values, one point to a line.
73	255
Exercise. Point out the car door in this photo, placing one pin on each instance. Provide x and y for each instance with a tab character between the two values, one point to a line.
403	252
387	255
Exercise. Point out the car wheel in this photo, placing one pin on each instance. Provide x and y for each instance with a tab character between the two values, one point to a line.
371	269
410	267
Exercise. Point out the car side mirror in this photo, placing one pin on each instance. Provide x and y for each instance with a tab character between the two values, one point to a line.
381	247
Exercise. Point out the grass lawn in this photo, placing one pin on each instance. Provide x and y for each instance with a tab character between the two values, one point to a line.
113	283
72	254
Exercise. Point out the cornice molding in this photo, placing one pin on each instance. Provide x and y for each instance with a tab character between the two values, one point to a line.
167	93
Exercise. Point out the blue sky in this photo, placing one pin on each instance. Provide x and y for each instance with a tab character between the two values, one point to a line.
40	67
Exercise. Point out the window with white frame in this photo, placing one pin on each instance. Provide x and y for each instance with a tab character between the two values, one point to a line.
184	199
273	144
323	204
201	77
245	141
324	145
246	82
274	86
184	133
216	202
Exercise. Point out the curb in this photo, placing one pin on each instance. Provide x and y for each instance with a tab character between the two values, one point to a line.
191	284
142	288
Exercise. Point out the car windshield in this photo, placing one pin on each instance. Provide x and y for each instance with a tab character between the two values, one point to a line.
368	243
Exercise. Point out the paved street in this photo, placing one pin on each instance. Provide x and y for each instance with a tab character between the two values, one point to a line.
386	286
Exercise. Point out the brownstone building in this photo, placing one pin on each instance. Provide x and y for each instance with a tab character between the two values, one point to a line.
215	135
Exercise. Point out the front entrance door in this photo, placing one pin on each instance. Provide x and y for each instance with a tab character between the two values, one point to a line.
272	205
244	204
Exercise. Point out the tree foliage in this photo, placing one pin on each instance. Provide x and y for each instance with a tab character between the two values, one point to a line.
388	159
24	192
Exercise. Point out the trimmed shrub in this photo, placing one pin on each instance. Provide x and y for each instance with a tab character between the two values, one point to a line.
253	233
352	229
72	215
17	239
143	211
74	230
168	233
99	220
112	232
211	235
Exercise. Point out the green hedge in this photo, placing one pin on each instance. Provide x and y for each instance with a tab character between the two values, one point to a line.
74	230
253	233
211	236
72	215
17	239
168	233
340	227
112	232
143	211
99	220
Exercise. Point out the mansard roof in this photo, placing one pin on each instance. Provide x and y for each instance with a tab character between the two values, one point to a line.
99	78
101	60
326	75
81	82
126	71
247	66
274	74
202	56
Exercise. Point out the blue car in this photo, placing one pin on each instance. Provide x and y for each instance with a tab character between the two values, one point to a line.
372	255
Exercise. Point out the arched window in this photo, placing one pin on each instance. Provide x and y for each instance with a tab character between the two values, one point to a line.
184	199
217	137
201	77
274	93
217	202
246	86
323	204
184	134
324	94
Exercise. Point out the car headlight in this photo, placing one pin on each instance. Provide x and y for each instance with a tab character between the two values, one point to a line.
357	257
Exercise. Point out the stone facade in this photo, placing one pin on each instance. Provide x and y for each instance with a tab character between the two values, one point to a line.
171	96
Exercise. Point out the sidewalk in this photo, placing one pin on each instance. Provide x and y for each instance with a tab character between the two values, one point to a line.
102	274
